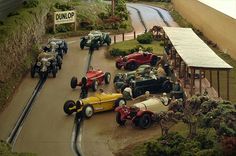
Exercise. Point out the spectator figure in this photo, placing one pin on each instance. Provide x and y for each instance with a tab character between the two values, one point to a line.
127	93
176	90
160	71
165	99
140	50
84	92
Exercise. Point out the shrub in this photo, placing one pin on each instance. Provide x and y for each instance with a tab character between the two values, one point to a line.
31	3
63	7
117	52
146	38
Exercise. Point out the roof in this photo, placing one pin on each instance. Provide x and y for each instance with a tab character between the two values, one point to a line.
193	51
226	7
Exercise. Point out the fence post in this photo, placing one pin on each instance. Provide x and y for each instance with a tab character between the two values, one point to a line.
114	38
134	35
123	36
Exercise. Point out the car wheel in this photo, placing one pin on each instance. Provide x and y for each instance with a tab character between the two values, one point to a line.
154	60
132	65
73	82
107	78
116	78
32	72
54	71
167	86
69	104
145	121
95	85
120	102
118	66
88	111
82	44
59	62
119	120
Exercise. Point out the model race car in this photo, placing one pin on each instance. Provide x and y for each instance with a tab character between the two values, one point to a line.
92	79
46	63
132	61
142	70
98	103
56	45
99	36
142	114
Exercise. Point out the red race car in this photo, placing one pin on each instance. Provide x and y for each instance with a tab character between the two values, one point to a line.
92	80
132	61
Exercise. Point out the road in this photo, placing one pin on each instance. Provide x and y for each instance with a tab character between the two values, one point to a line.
47	131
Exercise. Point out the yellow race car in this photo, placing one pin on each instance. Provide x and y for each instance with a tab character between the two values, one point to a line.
98	103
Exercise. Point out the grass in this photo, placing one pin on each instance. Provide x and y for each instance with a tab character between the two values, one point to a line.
126	45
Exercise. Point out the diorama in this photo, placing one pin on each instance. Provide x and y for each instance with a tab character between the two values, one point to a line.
117	77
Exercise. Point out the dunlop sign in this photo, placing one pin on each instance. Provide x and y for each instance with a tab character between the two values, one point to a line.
64	17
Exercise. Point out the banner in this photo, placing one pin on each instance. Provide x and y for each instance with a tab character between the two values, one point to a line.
64	17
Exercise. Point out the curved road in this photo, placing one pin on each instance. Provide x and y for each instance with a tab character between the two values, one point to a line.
47	131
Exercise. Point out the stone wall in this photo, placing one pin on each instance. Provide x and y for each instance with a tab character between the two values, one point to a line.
215	25
18	35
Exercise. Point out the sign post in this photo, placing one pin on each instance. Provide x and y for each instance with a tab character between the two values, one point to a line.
63	17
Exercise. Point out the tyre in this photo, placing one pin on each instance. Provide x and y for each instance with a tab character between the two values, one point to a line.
116	78
32	72
73	82
67	107
145	121
59	62
88	111
118	66
107	77
131	66
166	86
82	44
95	85
119	120
154	60
119	102
54	72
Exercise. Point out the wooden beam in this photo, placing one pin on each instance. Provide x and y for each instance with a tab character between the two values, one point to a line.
192	81
227	84
210	78
218	82
200	81
123	36
185	74
180	67
134	35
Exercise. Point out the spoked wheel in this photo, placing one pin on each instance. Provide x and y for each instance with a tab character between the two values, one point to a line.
88	111
95	85
73	82
145	121
32	72
132	66
68	107
119	120
119	102
107	77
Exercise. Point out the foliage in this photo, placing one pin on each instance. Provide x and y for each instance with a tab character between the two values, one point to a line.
31	3
175	144
145	38
63	6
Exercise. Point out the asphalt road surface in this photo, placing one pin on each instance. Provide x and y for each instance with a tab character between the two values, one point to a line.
48	131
